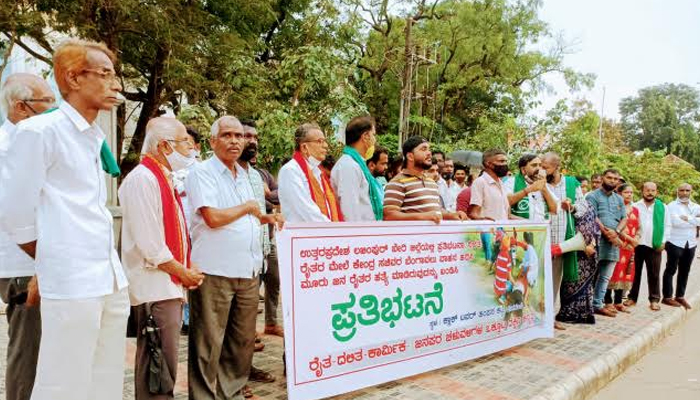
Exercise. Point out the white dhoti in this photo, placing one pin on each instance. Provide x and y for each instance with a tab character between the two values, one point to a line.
83	347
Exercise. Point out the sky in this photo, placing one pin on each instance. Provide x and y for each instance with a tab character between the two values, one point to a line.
628	44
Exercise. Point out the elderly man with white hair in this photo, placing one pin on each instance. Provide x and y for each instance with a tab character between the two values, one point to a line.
227	246
156	251
22	96
53	203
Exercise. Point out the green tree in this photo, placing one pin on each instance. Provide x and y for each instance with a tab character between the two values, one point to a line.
664	117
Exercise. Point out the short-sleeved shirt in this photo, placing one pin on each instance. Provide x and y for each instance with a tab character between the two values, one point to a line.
234	250
491	196
610	210
412	193
464	198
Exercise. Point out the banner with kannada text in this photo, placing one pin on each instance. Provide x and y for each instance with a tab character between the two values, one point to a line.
365	304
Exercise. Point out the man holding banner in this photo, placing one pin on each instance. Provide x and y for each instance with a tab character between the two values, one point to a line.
410	196
359	193
305	193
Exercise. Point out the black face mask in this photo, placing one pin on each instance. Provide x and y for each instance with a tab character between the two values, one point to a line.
249	152
608	188
500	170
447	176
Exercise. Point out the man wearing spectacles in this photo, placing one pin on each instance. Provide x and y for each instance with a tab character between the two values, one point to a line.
22	96
305	193
53	203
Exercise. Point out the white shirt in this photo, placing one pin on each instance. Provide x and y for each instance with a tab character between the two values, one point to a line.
352	189
646	224
179	178
295	194
53	191
683	232
538	205
234	250
13	261
143	239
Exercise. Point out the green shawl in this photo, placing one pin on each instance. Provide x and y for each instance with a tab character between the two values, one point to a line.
570	259
657	239
522	208
375	188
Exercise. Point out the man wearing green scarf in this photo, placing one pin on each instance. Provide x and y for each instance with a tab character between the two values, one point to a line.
654	227
567	192
528	195
360	195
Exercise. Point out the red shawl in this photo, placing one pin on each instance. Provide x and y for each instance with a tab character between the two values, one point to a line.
324	198
172	209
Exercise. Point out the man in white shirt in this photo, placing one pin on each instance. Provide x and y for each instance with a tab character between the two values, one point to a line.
54	189
156	248
449	189
227	247
360	195
22	96
652	236
684	216
305	194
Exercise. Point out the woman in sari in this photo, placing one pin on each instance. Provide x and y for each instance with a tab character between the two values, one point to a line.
623	276
577	296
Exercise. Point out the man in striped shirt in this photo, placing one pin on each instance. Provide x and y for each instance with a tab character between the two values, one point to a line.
411	196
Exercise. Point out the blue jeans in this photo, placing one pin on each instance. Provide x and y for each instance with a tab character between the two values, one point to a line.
605	271
487	243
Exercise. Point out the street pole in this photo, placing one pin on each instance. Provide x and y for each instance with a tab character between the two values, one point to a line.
600	126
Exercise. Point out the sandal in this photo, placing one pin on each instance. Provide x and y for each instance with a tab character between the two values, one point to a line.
622	308
654	306
247	392
629	303
258	375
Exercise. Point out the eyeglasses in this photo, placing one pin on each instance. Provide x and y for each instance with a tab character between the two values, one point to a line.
49	100
317	141
105	74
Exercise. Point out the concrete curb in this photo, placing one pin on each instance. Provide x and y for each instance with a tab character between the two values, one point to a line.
589	379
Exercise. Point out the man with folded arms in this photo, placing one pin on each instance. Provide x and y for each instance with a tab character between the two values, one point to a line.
359	193
227	247
156	248
22	96
684	216
52	203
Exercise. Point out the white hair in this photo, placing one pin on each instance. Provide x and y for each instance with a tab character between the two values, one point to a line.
215	126
157	130
12	91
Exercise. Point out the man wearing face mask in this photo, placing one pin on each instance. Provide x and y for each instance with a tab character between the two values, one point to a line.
156	245
489	199
449	188
359	193
684	216
612	219
305	194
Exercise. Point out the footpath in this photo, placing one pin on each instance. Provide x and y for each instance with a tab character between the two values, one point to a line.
575	365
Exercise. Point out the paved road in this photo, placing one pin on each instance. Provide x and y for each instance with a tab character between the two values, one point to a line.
670	371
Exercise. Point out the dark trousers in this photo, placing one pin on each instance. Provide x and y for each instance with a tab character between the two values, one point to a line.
24	331
222	336
168	317
271	278
652	258
678	259
613	296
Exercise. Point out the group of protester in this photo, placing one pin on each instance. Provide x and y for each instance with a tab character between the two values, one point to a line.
201	232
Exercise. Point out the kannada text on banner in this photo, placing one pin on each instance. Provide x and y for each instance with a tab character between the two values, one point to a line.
366	304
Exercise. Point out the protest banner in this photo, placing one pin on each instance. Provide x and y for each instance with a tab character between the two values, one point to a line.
365	304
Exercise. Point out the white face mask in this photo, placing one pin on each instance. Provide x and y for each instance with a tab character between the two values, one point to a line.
177	161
